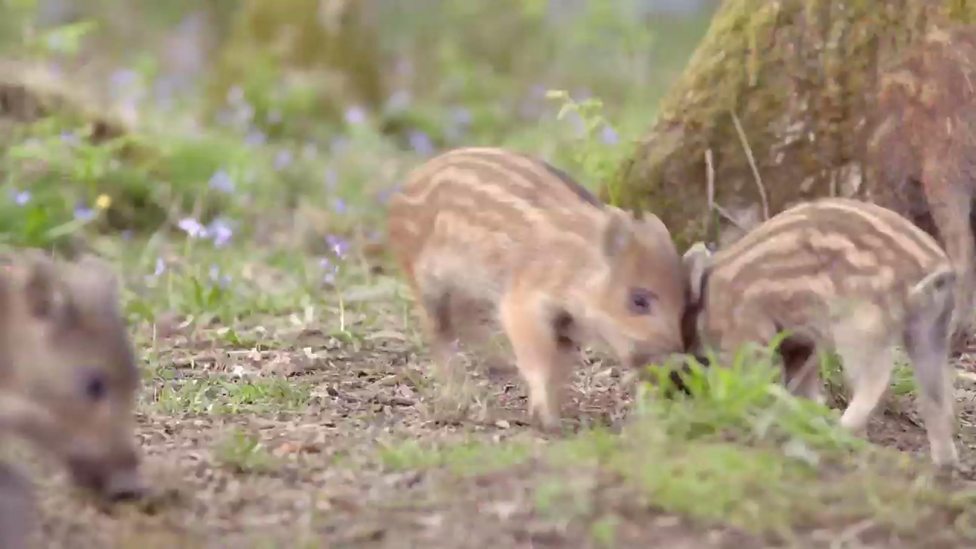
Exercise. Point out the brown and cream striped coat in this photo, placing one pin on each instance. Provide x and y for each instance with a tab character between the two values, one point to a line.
500	230
836	274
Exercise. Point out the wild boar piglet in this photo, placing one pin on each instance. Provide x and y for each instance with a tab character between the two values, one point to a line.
836	274
492	229
68	375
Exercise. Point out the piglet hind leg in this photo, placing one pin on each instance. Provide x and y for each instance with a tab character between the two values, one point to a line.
543	360
17	509
927	337
801	367
866	352
950	204
438	326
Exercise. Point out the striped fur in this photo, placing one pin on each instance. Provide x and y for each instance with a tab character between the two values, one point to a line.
840	274
501	231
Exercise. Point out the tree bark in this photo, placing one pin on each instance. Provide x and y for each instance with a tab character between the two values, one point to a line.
788	83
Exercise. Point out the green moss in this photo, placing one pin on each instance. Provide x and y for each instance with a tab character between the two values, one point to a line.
803	63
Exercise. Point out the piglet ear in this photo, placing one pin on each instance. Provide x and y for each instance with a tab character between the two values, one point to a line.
93	286
44	294
617	232
695	262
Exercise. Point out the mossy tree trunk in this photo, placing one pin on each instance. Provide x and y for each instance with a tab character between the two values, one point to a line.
797	77
335	42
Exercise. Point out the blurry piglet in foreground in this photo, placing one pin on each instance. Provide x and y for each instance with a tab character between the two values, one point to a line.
486	227
843	274
68	375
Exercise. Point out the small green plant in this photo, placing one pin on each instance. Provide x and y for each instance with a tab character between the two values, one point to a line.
467	458
244	453
595	149
603	531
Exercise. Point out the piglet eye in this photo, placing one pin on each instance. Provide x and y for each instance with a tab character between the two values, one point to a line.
641	301
95	387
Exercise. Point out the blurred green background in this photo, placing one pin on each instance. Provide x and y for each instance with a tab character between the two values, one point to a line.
185	113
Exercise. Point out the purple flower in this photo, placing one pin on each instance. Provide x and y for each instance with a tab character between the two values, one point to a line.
331	178
255	138
339	145
355	115
221	181
420	142
338	245
71	138
461	116
193	228
221	232
216	277
340	206
330	268
576	121
384	195
399	101
84	213
21	197
235	95
282	159
123	78
608	135
160	267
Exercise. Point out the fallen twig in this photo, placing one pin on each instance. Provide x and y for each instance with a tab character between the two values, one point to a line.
752	164
710	193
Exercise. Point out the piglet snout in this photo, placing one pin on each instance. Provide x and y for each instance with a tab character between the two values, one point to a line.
113	480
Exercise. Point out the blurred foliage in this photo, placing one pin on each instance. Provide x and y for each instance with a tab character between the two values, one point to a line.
235	116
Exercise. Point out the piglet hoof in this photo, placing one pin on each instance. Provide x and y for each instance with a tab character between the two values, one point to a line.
945	457
546	422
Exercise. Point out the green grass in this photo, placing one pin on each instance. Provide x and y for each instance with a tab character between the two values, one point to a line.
244	452
216	396
468	458
739	451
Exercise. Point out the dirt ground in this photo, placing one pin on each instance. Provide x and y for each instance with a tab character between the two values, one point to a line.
329	486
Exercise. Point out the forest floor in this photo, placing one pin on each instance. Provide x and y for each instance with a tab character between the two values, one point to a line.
311	423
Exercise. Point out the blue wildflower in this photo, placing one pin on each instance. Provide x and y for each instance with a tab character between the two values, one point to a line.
355	115
282	159
461	116
339	246
608	135
216	277
235	95
331	178
123	78
84	213
420	142
160	267
221	232
193	228
21	197
339	205
399	101
339	145
221	181
330	268
255	138
71	138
